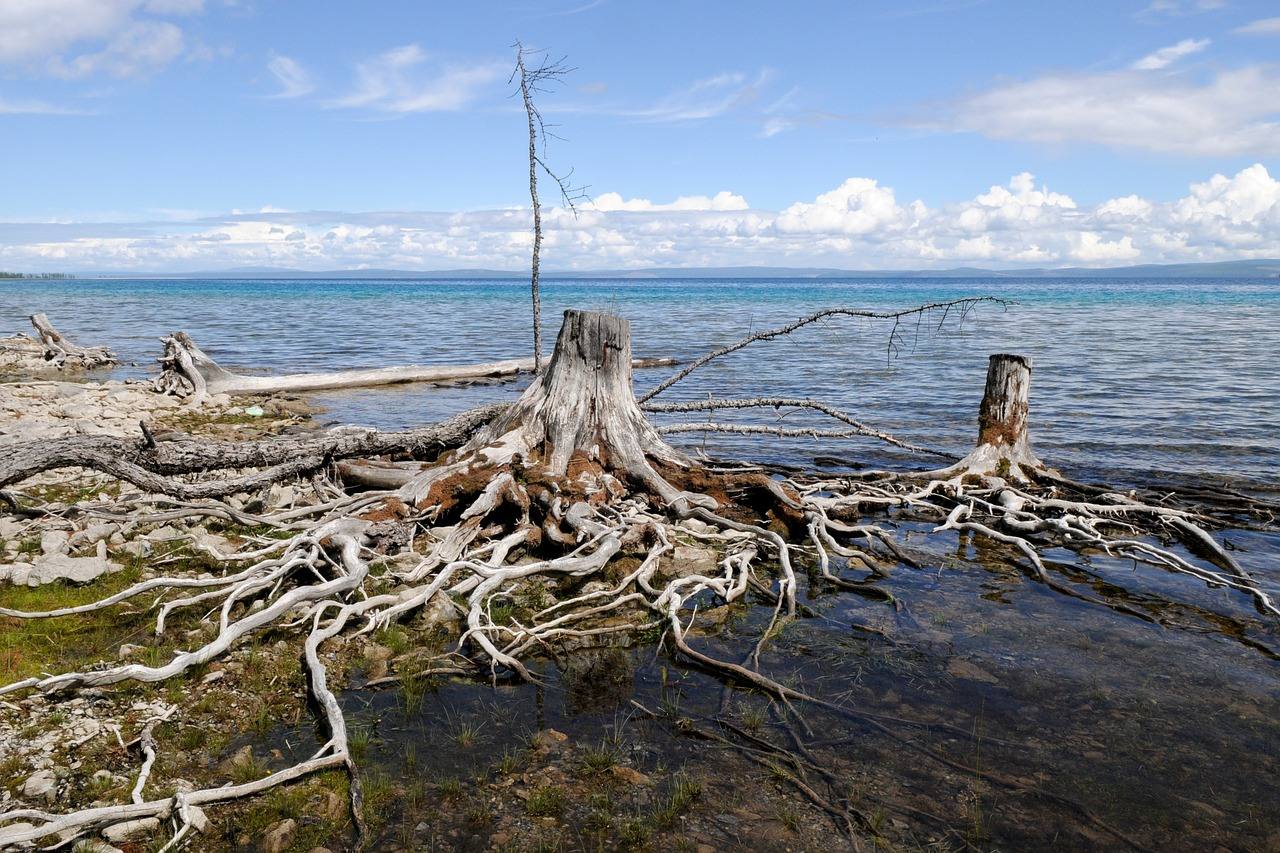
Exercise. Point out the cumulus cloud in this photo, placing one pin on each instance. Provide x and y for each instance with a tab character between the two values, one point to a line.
142	47
1166	56
857	206
76	38
395	81
294	80
860	224
1229	113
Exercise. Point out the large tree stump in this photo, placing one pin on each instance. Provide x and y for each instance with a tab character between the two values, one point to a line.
583	403
581	407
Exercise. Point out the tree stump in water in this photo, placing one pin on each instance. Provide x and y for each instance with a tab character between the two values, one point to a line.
1002	416
1004	449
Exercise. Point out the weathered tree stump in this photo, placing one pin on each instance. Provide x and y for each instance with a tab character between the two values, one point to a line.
581	407
1002	416
1004	448
583	403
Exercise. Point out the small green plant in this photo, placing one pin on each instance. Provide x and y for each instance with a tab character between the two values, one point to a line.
683	792
598	759
358	742
546	801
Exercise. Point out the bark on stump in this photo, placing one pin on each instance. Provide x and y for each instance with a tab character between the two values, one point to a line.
1002	416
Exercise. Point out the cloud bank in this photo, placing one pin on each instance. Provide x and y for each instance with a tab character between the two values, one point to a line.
860	224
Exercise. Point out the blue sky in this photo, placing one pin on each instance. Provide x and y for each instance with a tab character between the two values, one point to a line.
197	134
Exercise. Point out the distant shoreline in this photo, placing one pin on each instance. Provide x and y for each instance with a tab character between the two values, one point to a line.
1245	269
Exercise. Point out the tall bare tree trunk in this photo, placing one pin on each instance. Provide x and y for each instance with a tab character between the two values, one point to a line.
531	114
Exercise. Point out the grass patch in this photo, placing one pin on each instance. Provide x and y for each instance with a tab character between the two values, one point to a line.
32	646
546	801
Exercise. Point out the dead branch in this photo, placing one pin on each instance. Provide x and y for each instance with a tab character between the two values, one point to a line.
962	307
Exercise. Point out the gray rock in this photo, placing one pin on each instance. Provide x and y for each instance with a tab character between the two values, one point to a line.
122	832
60	567
199	820
278	838
54	542
94	534
42	783
164	534
138	548
688	560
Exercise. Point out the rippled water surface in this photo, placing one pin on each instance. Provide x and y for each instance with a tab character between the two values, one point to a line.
1132	377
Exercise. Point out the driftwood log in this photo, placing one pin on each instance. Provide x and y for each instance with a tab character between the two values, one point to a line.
186	370
65	354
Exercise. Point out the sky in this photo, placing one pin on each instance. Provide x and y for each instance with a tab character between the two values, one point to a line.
185	135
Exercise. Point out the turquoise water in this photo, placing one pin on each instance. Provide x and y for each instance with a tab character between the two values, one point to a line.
1134	379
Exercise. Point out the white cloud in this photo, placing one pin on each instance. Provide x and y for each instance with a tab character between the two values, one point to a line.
857	206
1091	248
723	200
1177	8
860	224
393	82
706	98
294	80
1231	113
116	36
142	47
1262	27
1166	56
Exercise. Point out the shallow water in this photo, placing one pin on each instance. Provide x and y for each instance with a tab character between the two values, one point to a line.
1132	377
1170	735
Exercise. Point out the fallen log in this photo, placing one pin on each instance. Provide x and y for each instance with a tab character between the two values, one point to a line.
150	465
188	371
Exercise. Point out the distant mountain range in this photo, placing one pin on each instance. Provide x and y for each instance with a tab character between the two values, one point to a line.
1221	269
